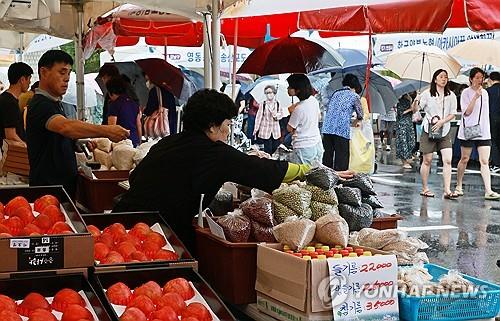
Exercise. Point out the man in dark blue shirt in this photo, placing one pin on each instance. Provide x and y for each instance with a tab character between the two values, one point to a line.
494	100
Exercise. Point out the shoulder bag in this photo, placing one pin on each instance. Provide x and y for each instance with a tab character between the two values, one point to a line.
156	125
438	134
471	132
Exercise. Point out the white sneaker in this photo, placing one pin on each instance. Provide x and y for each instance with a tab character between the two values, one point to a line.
495	169
379	146
388	148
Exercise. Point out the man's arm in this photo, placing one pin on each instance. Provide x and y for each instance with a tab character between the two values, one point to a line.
11	134
76	129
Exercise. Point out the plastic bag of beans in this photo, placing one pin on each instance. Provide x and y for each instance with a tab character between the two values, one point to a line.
332	229
321	209
322	196
377	239
348	195
361	181
322	177
291	200
373	201
262	233
222	203
357	217
236	226
260	210
295	232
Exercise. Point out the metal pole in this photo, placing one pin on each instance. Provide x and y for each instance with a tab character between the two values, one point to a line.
80	85
21	46
235	54
215	44
207	67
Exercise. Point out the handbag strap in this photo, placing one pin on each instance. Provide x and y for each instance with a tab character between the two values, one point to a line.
480	111
160	97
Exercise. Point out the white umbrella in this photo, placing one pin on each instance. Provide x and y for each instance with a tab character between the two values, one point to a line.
461	79
420	62
281	95
90	91
45	42
481	51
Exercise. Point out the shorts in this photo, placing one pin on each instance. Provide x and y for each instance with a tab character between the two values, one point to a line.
475	143
309	155
428	146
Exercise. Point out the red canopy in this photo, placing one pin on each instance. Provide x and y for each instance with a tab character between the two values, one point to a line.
478	15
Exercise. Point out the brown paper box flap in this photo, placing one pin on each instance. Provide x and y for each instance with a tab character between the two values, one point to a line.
285	312
281	276
319	289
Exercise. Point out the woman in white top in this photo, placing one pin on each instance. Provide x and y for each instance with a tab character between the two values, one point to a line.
440	106
475	115
304	122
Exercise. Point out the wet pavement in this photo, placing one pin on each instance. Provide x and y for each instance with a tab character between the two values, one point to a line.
462	234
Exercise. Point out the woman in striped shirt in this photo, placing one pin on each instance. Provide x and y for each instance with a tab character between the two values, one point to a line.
267	126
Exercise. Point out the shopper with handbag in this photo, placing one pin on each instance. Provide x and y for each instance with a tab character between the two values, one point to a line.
475	132
267	125
440	106
405	135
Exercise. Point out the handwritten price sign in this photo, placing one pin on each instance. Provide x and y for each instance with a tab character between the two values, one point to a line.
364	288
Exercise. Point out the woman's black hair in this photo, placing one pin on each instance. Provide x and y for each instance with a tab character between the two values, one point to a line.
116	85
351	81
474	71
433	89
301	84
207	108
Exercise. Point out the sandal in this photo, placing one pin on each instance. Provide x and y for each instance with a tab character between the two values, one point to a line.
427	193
493	196
458	192
407	166
451	196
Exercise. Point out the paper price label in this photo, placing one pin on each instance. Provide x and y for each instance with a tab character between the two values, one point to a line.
42	253
19	243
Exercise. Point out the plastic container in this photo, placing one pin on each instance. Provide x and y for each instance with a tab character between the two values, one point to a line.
460	306
95	195
230	268
386	223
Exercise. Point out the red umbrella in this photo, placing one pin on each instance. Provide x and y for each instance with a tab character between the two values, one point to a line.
477	15
163	74
289	55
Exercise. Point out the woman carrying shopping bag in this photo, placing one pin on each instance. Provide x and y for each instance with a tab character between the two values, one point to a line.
474	131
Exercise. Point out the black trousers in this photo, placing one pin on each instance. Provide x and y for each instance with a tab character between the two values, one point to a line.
495	140
336	147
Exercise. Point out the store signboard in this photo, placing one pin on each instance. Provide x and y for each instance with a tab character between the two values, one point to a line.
364	288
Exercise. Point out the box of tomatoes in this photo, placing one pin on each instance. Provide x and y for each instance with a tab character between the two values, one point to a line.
164	293
133	240
41	229
50	297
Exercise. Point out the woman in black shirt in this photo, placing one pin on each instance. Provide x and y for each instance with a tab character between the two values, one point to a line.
181	167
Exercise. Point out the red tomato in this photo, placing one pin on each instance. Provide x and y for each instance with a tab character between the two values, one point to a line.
31	302
31	229
107	239
133	314
9	316
173	300
143	303
165	314
75	312
16	203
65	298
180	286
54	213
7	304
166	255
96	232
44	201
41	315
138	256
25	214
59	228
101	250
125	249
150	289
119	293
140	230
198	311
44	222
15	225
113	257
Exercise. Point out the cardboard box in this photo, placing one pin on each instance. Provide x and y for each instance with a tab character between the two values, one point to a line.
65	250
102	221
283	312
95	195
15	158
48	284
301	284
102	280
